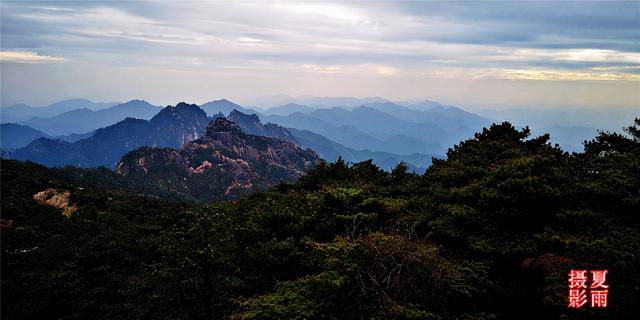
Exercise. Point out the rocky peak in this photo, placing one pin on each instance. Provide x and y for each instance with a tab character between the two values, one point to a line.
225	162
222	125
58	199
181	111
218	115
250	124
239	117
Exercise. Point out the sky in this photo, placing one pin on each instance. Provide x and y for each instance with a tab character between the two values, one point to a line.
471	53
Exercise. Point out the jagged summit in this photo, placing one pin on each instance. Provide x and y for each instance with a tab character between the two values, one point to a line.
222	125
218	115
181	110
237	116
183	104
250	123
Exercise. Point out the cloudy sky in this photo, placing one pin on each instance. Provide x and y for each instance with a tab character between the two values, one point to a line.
475	54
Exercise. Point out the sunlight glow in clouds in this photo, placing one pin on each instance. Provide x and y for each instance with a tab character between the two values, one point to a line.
26	57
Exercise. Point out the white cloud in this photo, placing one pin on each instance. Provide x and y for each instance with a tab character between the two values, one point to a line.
321	68
27	57
387	71
594	74
573	55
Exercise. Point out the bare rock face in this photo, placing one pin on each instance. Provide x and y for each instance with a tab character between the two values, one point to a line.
56	198
224	162
250	123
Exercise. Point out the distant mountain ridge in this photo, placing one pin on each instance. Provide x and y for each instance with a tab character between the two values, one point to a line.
250	123
85	120
331	151
225	107
287	109
224	162
326	148
366	124
173	126
14	135
314	101
367	128
23	112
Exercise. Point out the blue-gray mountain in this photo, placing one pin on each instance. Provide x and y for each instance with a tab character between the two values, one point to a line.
385	127
23	112
377	126
223	106
331	151
171	127
15	136
86	120
288	109
326	148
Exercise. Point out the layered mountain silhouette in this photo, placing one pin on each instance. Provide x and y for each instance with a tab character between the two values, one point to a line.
376	125
288	109
327	149
316	102
225	161
23	112
223	106
375	129
331	151
86	120
14	135
251	124
365	128
363	124
171	127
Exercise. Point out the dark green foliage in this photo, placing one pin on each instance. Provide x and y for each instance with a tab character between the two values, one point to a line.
489	233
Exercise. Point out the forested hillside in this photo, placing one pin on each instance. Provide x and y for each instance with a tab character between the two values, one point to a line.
490	232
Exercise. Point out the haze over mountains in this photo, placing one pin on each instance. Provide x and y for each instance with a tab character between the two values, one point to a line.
171	127
85	133
20	112
86	120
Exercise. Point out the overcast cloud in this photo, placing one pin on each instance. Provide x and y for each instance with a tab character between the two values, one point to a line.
470	53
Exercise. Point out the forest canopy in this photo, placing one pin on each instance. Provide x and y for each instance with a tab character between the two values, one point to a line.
489	232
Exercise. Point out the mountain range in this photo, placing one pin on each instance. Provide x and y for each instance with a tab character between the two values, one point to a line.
86	120
174	126
171	127
369	128
379	126
224	106
327	149
313	101
23	112
14	135
385	127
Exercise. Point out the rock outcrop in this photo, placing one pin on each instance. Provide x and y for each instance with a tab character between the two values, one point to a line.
58	199
224	162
